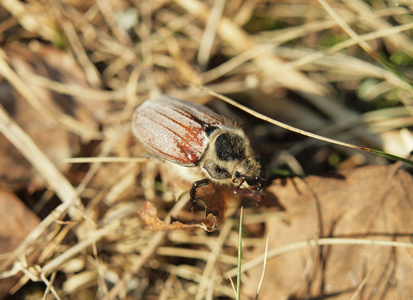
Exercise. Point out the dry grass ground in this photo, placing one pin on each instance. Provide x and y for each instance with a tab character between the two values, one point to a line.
342	69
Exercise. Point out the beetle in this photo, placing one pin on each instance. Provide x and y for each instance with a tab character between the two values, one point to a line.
199	145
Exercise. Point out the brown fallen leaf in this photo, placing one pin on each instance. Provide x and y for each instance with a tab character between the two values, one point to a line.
16	222
149	216
373	203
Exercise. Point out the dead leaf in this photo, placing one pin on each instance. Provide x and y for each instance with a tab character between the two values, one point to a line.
16	222
374	203
149	216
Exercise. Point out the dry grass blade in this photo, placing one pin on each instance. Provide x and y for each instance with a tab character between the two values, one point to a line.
303	132
156	240
79	160
71	123
314	243
210	265
363	44
366	278
43	165
50	287
264	268
210	33
90	69
234	35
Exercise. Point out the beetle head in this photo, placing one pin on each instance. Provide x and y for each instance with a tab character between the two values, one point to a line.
248	178
230	160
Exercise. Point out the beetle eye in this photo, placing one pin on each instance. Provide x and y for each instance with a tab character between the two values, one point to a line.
253	180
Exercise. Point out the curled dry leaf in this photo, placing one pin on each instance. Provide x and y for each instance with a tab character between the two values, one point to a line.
374	203
149	216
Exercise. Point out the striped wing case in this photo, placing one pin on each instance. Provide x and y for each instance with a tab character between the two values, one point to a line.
176	130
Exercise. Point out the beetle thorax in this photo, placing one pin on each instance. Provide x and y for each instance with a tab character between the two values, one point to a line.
228	157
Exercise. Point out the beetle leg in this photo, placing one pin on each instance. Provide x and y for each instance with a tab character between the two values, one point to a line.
195	185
